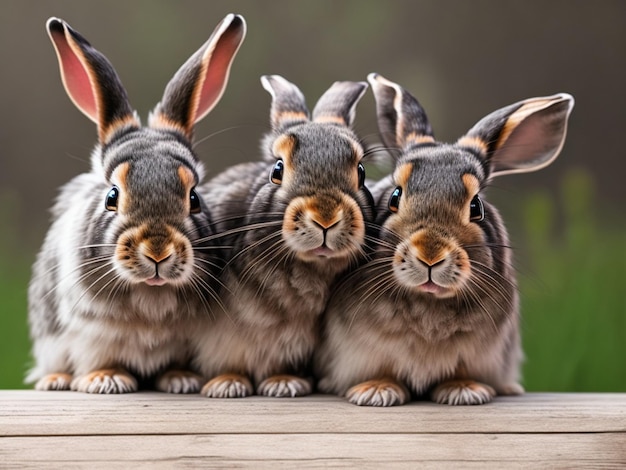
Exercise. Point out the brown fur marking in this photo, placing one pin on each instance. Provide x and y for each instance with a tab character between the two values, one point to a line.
473	142
331	119
402	174
416	139
119	178
161	121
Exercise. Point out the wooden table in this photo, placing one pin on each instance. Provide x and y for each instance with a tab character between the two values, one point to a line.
148	430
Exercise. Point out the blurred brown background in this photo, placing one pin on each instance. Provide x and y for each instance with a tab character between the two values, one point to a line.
462	59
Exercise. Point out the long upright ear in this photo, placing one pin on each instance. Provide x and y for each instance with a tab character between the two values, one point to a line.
90	80
525	136
402	121
200	82
339	102
288	103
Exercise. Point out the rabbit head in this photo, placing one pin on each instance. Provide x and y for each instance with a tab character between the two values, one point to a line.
448	240
316	171
150	173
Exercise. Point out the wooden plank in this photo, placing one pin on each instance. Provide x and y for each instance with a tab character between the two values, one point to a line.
23	413
581	450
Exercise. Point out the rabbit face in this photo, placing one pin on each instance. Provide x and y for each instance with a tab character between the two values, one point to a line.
149	206
435	222
322	218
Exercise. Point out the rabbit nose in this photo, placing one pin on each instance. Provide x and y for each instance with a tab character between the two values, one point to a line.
324	214
430	264
429	249
155	255
157	259
324	225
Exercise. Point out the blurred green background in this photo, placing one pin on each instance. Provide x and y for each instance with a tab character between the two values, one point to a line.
461	59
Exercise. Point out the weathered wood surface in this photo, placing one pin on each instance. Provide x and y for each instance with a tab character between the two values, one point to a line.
148	430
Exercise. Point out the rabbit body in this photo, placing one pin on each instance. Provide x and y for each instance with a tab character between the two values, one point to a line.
301	223
124	275
436	309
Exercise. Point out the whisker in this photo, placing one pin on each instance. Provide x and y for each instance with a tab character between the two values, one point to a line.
261	259
211	276
252	247
97	245
494	275
382	284
210	263
238	230
86	263
227	129
98	260
113	279
194	284
278	257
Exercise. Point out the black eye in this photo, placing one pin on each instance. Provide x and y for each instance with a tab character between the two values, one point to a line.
361	175
477	210
110	202
394	200
276	176
194	202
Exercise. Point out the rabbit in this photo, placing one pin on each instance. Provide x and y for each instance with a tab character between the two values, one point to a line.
297	219
435	310
123	275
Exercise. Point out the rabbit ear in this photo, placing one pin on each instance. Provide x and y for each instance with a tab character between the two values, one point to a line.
90	80
199	84
288	103
522	137
401	119
339	102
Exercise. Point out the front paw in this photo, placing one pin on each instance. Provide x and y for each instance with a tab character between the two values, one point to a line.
382	392
179	381
105	381
462	392
512	388
280	386
227	386
59	381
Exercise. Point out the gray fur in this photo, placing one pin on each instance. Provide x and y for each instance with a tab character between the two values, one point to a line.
387	331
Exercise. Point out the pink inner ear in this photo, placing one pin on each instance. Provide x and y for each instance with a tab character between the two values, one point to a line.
76	78
218	68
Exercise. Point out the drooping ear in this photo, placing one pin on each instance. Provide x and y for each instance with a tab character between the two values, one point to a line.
90	80
200	82
288	103
339	102
525	136
402	121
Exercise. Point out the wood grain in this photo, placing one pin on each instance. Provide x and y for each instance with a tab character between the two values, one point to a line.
67	429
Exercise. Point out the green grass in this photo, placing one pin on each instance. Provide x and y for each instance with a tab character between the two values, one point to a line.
572	285
14	275
574	312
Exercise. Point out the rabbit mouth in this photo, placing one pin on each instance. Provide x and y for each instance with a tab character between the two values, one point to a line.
430	287
322	252
156	280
